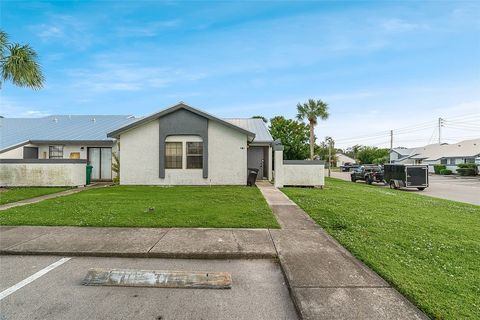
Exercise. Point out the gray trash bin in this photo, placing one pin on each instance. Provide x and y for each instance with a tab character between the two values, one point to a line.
252	176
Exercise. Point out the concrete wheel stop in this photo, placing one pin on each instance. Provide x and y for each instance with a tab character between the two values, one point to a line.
157	279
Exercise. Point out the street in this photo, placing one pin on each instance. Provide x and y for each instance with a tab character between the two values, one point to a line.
258	291
445	187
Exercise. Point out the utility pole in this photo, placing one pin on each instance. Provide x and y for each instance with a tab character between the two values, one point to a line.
440	124
391	145
329	156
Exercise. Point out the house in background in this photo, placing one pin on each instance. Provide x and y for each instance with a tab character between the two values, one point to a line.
178	145
63	137
467	151
182	145
342	159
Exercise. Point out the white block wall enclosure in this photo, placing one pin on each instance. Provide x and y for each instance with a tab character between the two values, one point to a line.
42	173
298	172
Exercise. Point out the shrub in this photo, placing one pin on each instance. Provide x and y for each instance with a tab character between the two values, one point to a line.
446	172
466	172
467	166
438	167
467	169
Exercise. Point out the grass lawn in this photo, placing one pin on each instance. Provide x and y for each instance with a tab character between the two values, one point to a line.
127	206
8	195
428	248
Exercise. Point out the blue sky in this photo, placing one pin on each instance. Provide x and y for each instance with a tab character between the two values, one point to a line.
380	65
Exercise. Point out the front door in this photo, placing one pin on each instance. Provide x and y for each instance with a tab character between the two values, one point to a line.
101	161
256	160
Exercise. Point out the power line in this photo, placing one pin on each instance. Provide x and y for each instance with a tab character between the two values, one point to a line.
455	123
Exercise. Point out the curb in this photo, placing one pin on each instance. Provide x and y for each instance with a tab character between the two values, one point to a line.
165	255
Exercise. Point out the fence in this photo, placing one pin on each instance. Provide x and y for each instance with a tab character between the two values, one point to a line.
297	172
42	172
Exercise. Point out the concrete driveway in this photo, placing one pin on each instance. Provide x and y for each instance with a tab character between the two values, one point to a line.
258	291
445	187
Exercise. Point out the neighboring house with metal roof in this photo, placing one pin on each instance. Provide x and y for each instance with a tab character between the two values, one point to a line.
187	146
177	145
467	151
63	137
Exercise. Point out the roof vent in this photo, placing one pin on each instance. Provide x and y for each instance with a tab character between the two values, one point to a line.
94	120
55	120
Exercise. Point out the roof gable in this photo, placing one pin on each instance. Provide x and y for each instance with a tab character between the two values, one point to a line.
172	109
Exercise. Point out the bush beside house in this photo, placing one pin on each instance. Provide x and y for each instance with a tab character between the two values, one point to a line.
467	169
445	172
437	168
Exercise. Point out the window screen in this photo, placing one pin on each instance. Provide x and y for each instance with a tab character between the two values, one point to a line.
194	155
173	155
55	152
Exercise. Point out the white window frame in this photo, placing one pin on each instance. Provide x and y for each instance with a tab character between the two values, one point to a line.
184	139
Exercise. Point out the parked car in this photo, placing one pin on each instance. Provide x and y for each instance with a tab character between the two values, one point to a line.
406	176
348	166
369	173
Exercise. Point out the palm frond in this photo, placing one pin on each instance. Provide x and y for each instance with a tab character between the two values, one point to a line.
3	43
20	66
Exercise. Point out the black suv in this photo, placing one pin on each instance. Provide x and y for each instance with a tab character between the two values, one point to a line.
348	166
368	172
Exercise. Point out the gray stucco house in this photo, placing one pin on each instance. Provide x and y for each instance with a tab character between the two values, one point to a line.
177	145
182	145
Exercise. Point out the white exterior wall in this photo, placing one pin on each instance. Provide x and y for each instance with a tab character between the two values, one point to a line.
227	155
304	175
16	153
270	162
139	158
278	178
342	159
67	149
42	174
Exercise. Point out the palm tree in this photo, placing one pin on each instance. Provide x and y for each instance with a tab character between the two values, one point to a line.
19	64
311	111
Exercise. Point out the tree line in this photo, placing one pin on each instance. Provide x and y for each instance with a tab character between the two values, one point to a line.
296	136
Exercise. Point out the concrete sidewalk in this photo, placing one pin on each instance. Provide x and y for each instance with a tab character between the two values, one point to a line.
50	196
138	242
325	280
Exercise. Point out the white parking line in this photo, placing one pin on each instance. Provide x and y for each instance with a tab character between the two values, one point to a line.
5	293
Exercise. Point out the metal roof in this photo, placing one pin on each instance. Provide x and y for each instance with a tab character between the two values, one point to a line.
257	126
178	106
18	131
15	132
462	149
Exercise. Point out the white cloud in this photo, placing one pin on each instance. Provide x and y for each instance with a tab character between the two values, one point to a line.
11	109
47	32
129	77
399	25
147	30
64	29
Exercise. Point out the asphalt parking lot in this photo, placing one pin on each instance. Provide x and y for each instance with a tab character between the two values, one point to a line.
258	291
445	187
